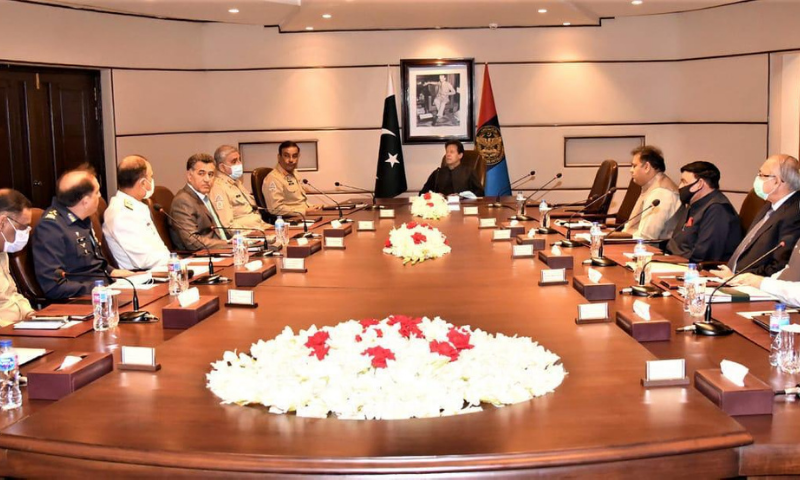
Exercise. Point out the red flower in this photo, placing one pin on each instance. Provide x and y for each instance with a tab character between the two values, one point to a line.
411	225
427	196
444	349
379	356
459	339
430	204
358	338
388	244
408	326
368	322
318	344
446	242
419	238
379	332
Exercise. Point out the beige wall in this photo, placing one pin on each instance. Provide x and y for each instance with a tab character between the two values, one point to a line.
611	78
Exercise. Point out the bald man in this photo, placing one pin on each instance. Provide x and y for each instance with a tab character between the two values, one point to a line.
127	225
64	239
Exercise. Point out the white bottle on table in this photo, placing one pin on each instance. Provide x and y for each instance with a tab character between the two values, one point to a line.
10	395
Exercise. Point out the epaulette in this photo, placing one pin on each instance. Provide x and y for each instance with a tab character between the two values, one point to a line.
51	214
128	204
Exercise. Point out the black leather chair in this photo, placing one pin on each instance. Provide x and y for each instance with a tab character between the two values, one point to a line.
22	270
257	184
604	180
751	205
162	196
626	207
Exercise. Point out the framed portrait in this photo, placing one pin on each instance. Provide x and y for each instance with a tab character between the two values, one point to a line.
437	100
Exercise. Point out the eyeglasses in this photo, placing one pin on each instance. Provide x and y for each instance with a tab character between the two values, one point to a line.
761	175
17	225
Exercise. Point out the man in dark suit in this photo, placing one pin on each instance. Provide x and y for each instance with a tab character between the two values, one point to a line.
453	177
777	182
193	211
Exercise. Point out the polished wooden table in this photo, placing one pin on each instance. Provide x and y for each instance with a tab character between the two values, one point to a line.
600	421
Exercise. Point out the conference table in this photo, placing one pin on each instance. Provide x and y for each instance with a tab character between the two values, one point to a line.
599	421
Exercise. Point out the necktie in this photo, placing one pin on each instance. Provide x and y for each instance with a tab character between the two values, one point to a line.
213	213
748	240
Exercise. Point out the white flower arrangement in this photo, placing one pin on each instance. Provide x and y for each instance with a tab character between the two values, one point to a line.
396	368
430	206
416	242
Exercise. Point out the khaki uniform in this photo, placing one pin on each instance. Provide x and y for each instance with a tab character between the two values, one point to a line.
235	206
13	306
284	192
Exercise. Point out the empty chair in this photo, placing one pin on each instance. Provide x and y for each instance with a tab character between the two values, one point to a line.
604	180
626	207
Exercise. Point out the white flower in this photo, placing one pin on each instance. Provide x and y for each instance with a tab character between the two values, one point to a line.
416	242
433	207
284	374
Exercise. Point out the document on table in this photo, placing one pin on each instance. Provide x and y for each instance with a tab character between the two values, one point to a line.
742	293
45	325
25	355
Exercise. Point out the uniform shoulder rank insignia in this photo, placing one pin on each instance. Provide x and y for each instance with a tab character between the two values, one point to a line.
51	214
272	187
71	217
128	204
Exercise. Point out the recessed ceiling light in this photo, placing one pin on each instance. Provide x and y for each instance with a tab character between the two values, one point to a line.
542	10
233	10
309	28
567	24
326	16
637	2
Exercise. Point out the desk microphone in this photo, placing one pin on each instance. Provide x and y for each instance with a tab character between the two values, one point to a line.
621	226
643	290
568	242
542	188
338	206
234	229
516	182
374	206
209	279
522	216
712	327
125	317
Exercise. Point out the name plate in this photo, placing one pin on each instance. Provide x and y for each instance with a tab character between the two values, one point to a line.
592	313
241	297
386	213
302	241
336	224
293	264
665	373
334	242
144	356
189	297
453	199
553	276
501	234
453	207
366	226
522	251
470	211
487	223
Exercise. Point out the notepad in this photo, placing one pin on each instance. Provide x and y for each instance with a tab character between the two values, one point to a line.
54	325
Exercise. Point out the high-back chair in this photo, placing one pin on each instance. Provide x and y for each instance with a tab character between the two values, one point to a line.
257	185
473	160
604	180
163	197
22	269
751	205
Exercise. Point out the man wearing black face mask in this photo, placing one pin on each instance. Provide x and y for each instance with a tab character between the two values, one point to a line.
708	227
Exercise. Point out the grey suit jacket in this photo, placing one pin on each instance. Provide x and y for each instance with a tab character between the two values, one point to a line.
190	215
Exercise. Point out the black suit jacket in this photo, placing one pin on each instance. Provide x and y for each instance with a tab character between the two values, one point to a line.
446	181
783	225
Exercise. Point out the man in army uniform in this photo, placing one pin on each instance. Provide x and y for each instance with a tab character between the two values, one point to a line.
283	189
65	241
195	223
15	224
235	205
128	227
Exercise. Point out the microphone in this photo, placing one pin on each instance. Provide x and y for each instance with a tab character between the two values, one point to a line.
542	188
713	327
306	233
125	317
524	177
338	206
568	242
655	203
357	189
209	279
643	290
526	218
234	229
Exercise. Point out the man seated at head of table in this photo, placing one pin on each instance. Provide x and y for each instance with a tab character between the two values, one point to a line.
283	188
647	171
195	223
777	182
15	225
454	177
64	244
234	204
127	226
708	227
